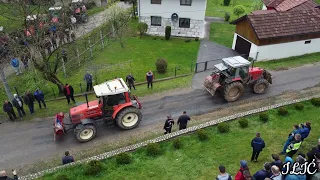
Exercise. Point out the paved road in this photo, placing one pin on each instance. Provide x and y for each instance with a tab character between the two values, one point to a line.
25	143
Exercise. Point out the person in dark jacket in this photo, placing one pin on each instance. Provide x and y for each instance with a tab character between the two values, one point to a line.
305	130
149	78
295	130
312	156
243	167
8	108
39	96
183	120
130	80
277	161
18	103
67	158
257	145
88	79
68	92
264	173
3	175
168	125
294	145
247	175
29	100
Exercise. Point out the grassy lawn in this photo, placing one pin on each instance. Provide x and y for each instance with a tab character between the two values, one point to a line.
291	62
200	160
216	8
222	33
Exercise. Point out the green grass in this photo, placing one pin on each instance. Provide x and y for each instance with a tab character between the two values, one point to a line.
96	10
222	33
216	8
200	160
291	62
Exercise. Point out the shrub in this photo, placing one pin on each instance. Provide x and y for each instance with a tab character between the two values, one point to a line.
223	127
238	10
177	144
123	158
161	65
315	101
243	123
91	4
226	16
202	134
61	177
154	38
196	39
93	167
153	149
168	32
226	2
282	111
264	117
299	106
142	28
187	40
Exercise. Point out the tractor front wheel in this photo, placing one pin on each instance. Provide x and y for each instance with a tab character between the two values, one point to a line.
233	91
261	86
85	133
128	118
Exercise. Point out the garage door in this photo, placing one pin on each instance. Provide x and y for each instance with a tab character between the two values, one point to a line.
242	46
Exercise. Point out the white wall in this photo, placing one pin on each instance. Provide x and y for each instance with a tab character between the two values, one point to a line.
167	7
234	41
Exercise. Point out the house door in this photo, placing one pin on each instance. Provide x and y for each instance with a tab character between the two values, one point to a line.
243	46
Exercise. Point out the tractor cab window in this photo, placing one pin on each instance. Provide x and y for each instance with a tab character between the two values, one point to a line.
243	72
115	99
232	71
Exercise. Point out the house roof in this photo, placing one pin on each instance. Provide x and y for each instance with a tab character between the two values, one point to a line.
264	11
285	5
289	4
282	24
306	5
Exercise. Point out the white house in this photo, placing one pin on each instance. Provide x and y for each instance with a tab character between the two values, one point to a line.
275	35
186	17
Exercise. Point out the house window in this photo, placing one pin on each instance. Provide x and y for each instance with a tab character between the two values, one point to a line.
155	21
185	2
307	42
155	1
184	22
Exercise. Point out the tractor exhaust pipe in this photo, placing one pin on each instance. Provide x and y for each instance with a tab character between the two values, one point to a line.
85	94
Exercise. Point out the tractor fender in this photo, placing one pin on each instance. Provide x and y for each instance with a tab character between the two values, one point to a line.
88	121
120	108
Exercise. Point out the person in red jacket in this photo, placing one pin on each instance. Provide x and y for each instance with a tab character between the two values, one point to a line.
243	167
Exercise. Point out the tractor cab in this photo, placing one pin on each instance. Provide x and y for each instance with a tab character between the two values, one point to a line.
55	13
233	75
79	11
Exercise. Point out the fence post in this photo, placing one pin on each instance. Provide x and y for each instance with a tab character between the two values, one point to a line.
78	56
196	68
205	65
64	68
90	47
257	55
102	42
54	95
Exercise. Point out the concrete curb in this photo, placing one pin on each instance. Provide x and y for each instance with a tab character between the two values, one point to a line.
165	137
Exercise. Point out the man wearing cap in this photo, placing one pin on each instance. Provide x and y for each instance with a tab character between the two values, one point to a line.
168	125
243	167
18	103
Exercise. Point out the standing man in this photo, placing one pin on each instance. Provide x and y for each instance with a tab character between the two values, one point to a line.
168	125
15	64
8	108
29	100
183	120
130	80
257	145
68	92
149	78
64	55
294	145
18	103
39	96
88	79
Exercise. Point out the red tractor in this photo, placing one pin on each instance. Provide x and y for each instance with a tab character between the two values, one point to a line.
115	104
233	75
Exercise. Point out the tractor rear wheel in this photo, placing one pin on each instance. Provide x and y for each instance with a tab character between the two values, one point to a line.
128	118
233	91
261	86
85	133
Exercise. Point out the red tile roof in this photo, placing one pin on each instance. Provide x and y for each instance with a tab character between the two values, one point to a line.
281	24
285	5
306	5
263	12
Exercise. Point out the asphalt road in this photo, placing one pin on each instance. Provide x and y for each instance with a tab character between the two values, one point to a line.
25	143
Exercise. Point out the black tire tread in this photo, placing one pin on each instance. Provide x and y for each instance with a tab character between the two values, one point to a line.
260	81
229	87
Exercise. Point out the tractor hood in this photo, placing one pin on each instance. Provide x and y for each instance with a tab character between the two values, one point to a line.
221	66
81	109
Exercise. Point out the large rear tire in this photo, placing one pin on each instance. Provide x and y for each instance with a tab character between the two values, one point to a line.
261	86
233	91
85	133
128	118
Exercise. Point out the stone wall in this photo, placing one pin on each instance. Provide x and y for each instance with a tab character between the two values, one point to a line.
196	27
165	137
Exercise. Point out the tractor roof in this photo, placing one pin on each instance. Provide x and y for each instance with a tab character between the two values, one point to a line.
55	8
31	17
236	61
76	1
112	87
